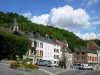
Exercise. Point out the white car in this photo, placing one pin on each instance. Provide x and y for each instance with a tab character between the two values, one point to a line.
83	66
90	67
86	67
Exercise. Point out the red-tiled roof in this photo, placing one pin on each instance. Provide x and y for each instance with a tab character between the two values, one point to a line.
92	45
59	42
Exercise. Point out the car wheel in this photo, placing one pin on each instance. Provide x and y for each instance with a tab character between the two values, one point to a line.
46	65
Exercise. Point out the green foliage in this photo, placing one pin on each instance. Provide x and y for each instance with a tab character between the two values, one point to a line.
12	45
53	32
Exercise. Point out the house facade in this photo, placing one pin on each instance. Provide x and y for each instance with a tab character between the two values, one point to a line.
94	47
46	49
85	56
67	52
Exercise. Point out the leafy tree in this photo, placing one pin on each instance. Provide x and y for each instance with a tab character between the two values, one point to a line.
12	45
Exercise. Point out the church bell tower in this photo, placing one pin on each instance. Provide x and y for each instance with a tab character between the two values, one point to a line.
15	25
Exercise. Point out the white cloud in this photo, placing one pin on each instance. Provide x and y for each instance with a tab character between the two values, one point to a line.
96	23
88	36
65	17
27	14
43	19
90	2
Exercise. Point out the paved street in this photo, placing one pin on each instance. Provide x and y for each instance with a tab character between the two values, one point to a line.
80	72
42	69
5	70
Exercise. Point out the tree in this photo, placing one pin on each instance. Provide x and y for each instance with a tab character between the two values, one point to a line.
64	57
12	45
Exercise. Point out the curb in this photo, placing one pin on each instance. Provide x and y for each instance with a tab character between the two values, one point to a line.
4	64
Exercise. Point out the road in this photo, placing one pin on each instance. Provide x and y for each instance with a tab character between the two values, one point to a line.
81	72
6	70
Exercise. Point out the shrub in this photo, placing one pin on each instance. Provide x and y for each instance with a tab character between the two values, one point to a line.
23	65
30	66
14	65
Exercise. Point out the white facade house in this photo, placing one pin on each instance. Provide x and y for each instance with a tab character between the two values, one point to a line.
46	49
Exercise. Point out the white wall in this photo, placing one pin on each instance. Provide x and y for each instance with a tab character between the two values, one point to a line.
48	50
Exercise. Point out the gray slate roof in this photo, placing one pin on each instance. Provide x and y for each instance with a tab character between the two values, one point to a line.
85	50
38	37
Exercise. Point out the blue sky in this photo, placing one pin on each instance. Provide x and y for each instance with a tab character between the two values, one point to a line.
79	16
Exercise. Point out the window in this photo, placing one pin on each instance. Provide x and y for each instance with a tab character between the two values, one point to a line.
57	56
57	50
77	58
54	62
83	53
37	52
54	50
77	53
41	53
90	58
83	58
95	58
57	62
41	45
54	56
37	44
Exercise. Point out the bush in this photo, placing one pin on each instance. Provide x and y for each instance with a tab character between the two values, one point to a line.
15	65
30	66
23	65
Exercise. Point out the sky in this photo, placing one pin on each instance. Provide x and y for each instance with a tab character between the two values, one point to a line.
82	17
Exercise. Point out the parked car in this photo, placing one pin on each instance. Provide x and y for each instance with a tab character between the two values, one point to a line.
47	63
82	66
76	66
90	67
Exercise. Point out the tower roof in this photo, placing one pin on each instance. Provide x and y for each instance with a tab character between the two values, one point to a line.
14	23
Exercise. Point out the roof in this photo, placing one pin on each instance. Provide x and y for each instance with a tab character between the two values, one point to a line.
93	46
14	23
85	50
61	43
38	37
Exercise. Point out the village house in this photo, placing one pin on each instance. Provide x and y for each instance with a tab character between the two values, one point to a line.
46	48
67	52
85	56
94	47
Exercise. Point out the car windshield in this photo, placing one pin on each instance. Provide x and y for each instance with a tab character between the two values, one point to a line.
50	62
